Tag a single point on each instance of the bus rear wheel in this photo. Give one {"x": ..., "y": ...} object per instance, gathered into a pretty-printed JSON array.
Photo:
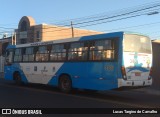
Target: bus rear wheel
[
  {"x": 65, "y": 84},
  {"x": 17, "y": 79}
]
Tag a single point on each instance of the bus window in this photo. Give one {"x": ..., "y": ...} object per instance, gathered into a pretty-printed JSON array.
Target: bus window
[
  {"x": 58, "y": 53},
  {"x": 9, "y": 57},
  {"x": 17, "y": 55},
  {"x": 42, "y": 53},
  {"x": 137, "y": 51},
  {"x": 136, "y": 43},
  {"x": 28, "y": 54},
  {"x": 78, "y": 51},
  {"x": 102, "y": 50}
]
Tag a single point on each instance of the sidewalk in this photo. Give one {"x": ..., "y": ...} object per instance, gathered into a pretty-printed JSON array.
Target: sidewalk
[{"x": 150, "y": 90}]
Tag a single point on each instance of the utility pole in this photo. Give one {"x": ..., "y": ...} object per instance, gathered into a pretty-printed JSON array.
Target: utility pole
[
  {"x": 72, "y": 29},
  {"x": 14, "y": 38}
]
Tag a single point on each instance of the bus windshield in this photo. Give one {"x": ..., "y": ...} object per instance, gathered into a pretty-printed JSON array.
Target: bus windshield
[{"x": 137, "y": 43}]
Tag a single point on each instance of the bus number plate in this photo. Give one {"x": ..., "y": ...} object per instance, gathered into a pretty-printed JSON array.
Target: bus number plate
[
  {"x": 137, "y": 74},
  {"x": 109, "y": 67}
]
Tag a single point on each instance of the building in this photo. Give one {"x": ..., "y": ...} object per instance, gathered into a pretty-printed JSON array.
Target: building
[
  {"x": 156, "y": 63},
  {"x": 3, "y": 44},
  {"x": 29, "y": 32}
]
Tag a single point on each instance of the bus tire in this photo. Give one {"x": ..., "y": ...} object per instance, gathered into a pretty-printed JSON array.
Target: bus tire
[
  {"x": 65, "y": 84},
  {"x": 17, "y": 79}
]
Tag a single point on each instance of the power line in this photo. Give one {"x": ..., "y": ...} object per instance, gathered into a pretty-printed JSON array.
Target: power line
[
  {"x": 114, "y": 16},
  {"x": 67, "y": 28},
  {"x": 129, "y": 14},
  {"x": 107, "y": 13},
  {"x": 6, "y": 28}
]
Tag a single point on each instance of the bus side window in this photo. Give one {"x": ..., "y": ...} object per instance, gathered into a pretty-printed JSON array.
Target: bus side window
[
  {"x": 108, "y": 54},
  {"x": 28, "y": 54},
  {"x": 40, "y": 53},
  {"x": 9, "y": 57},
  {"x": 102, "y": 50},
  {"x": 58, "y": 52},
  {"x": 78, "y": 51},
  {"x": 18, "y": 55},
  {"x": 36, "y": 53}
]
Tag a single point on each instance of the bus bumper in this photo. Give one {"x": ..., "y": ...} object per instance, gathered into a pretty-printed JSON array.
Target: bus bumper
[{"x": 123, "y": 83}]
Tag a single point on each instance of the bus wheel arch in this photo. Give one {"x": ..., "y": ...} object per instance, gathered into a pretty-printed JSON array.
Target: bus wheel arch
[
  {"x": 65, "y": 83},
  {"x": 17, "y": 78}
]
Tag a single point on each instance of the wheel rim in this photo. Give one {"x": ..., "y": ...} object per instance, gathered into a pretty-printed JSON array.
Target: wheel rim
[
  {"x": 65, "y": 84},
  {"x": 18, "y": 79}
]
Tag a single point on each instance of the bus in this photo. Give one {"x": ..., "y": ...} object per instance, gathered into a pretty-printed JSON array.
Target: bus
[{"x": 96, "y": 62}]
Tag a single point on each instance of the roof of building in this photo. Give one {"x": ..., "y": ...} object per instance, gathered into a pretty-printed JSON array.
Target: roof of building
[{"x": 156, "y": 41}]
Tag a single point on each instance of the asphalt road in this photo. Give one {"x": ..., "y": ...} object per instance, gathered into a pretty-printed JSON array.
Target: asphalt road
[{"x": 41, "y": 96}]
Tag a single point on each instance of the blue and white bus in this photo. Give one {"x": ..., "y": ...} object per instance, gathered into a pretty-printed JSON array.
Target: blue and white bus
[{"x": 97, "y": 62}]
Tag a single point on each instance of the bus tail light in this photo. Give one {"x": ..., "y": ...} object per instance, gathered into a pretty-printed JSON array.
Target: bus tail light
[
  {"x": 150, "y": 74},
  {"x": 123, "y": 70}
]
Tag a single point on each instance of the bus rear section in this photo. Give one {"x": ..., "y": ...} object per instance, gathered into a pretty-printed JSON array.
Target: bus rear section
[{"x": 137, "y": 61}]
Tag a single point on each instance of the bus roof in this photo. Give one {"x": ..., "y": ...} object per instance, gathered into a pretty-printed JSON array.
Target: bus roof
[
  {"x": 135, "y": 33},
  {"x": 83, "y": 38}
]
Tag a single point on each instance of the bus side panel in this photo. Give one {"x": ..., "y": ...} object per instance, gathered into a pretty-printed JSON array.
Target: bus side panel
[
  {"x": 10, "y": 70},
  {"x": 94, "y": 75},
  {"x": 42, "y": 73},
  {"x": 8, "y": 75},
  {"x": 77, "y": 72},
  {"x": 89, "y": 75},
  {"x": 105, "y": 79}
]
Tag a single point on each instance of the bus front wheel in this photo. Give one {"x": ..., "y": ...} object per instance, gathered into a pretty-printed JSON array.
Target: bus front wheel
[
  {"x": 65, "y": 84},
  {"x": 17, "y": 79}
]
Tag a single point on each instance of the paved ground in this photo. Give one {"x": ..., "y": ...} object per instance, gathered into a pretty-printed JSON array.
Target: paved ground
[
  {"x": 40, "y": 96},
  {"x": 150, "y": 90}
]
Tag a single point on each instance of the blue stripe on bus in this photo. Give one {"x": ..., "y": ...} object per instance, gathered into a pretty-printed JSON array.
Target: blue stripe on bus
[
  {"x": 102, "y": 36},
  {"x": 138, "y": 68},
  {"x": 88, "y": 80},
  {"x": 23, "y": 77}
]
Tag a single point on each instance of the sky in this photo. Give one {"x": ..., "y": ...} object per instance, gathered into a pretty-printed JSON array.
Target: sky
[{"x": 53, "y": 11}]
